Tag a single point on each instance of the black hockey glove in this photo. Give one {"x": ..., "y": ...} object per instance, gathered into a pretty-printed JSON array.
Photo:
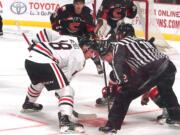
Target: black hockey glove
[{"x": 111, "y": 89}]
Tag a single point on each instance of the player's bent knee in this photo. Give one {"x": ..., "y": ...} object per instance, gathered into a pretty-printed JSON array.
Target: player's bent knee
[
  {"x": 66, "y": 91},
  {"x": 38, "y": 86}
]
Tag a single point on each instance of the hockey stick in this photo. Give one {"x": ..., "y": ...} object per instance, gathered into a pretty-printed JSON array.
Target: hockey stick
[
  {"x": 83, "y": 115},
  {"x": 24, "y": 36},
  {"x": 107, "y": 89},
  {"x": 26, "y": 39},
  {"x": 31, "y": 44}
]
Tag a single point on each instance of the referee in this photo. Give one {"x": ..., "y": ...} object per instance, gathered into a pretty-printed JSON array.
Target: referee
[{"x": 151, "y": 68}]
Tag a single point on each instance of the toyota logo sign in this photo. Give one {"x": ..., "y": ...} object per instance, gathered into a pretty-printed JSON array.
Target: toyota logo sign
[{"x": 18, "y": 8}]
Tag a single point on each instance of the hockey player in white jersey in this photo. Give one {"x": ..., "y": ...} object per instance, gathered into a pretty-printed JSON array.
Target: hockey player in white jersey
[
  {"x": 45, "y": 35},
  {"x": 52, "y": 65}
]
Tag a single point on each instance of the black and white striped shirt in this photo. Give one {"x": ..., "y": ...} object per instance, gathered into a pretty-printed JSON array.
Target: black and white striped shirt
[{"x": 136, "y": 53}]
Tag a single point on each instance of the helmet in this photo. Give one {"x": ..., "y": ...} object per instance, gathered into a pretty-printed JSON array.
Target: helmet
[
  {"x": 83, "y": 1},
  {"x": 88, "y": 43},
  {"x": 124, "y": 30},
  {"x": 131, "y": 10},
  {"x": 105, "y": 45}
]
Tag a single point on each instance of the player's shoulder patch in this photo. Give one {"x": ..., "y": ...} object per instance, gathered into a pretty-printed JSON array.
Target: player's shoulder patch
[
  {"x": 63, "y": 8},
  {"x": 66, "y": 7},
  {"x": 91, "y": 12}
]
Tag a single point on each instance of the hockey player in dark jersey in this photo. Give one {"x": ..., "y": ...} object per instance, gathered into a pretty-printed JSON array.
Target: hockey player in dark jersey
[
  {"x": 73, "y": 19},
  {"x": 76, "y": 19},
  {"x": 112, "y": 12},
  {"x": 1, "y": 26},
  {"x": 151, "y": 68}
]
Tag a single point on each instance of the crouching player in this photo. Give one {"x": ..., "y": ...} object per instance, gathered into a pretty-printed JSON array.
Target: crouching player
[{"x": 52, "y": 65}]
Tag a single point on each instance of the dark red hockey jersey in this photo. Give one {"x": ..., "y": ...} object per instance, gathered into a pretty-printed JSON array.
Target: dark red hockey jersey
[
  {"x": 66, "y": 21},
  {"x": 115, "y": 10}
]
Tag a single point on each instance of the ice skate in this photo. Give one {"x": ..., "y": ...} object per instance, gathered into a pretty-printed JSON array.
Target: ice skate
[
  {"x": 108, "y": 130},
  {"x": 162, "y": 118},
  {"x": 173, "y": 123},
  {"x": 67, "y": 126},
  {"x": 174, "y": 120},
  {"x": 31, "y": 107}
]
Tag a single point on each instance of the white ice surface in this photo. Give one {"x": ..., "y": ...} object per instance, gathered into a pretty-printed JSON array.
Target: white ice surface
[{"x": 87, "y": 85}]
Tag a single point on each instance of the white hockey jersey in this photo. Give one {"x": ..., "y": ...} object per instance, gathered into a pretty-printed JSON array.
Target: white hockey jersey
[
  {"x": 45, "y": 35},
  {"x": 65, "y": 50}
]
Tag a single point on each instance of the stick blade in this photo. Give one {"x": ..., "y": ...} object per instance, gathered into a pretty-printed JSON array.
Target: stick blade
[{"x": 84, "y": 116}]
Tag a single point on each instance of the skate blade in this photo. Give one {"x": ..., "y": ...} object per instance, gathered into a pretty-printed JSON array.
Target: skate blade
[
  {"x": 101, "y": 105},
  {"x": 163, "y": 122},
  {"x": 108, "y": 133},
  {"x": 104, "y": 104},
  {"x": 70, "y": 132},
  {"x": 175, "y": 125},
  {"x": 77, "y": 130},
  {"x": 29, "y": 111}
]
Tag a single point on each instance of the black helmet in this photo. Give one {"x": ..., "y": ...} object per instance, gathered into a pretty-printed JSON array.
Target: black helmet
[
  {"x": 83, "y": 1},
  {"x": 124, "y": 30},
  {"x": 103, "y": 49},
  {"x": 104, "y": 46},
  {"x": 89, "y": 43}
]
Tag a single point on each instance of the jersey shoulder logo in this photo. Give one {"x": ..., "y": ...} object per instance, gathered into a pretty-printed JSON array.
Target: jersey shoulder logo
[
  {"x": 63, "y": 8},
  {"x": 74, "y": 44}
]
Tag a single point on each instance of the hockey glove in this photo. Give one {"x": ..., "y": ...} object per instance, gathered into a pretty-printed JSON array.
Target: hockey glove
[
  {"x": 145, "y": 99},
  {"x": 152, "y": 94},
  {"x": 113, "y": 90}
]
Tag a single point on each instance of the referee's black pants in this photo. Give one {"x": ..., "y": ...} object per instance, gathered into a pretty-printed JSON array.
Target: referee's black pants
[{"x": 131, "y": 91}]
